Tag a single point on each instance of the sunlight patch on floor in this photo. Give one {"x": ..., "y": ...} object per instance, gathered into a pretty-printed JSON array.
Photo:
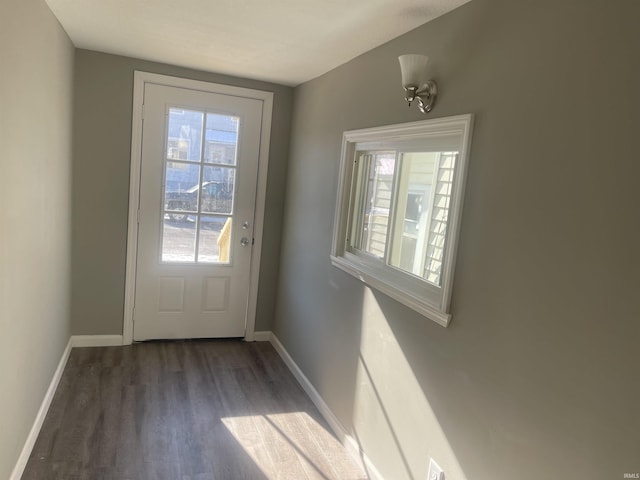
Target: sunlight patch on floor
[{"x": 292, "y": 445}]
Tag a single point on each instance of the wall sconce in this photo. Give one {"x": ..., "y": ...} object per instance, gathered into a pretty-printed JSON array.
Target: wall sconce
[{"x": 415, "y": 82}]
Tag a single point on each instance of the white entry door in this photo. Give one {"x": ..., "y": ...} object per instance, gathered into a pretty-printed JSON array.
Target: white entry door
[{"x": 198, "y": 174}]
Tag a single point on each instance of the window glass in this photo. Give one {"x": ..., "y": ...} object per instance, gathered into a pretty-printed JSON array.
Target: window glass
[
  {"x": 217, "y": 191},
  {"x": 376, "y": 179},
  {"x": 184, "y": 134},
  {"x": 199, "y": 186},
  {"x": 420, "y": 190},
  {"x": 221, "y": 139}
]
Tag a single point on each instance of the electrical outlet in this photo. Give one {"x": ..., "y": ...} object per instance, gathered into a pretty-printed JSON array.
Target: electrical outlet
[{"x": 435, "y": 471}]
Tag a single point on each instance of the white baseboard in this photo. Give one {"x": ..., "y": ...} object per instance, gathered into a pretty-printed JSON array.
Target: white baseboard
[
  {"x": 96, "y": 340},
  {"x": 354, "y": 449},
  {"x": 262, "y": 336},
  {"x": 18, "y": 470},
  {"x": 350, "y": 443},
  {"x": 333, "y": 421}
]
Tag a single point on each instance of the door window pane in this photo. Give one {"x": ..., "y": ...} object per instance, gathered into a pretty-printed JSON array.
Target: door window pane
[
  {"x": 184, "y": 140},
  {"x": 214, "y": 243},
  {"x": 217, "y": 190},
  {"x": 181, "y": 189},
  {"x": 221, "y": 139},
  {"x": 178, "y": 241}
]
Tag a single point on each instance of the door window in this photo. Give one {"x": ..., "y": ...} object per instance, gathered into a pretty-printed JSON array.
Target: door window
[{"x": 199, "y": 185}]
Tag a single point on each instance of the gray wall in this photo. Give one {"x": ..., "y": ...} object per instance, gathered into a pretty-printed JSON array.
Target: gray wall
[
  {"x": 102, "y": 156},
  {"x": 36, "y": 59},
  {"x": 537, "y": 375}
]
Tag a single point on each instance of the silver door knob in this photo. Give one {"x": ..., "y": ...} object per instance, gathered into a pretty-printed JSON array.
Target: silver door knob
[{"x": 244, "y": 241}]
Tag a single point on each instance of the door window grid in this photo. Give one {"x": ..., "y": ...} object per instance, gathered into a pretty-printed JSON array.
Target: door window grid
[{"x": 197, "y": 220}]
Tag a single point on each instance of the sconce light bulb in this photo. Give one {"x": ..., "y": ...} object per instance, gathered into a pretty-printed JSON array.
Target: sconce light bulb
[{"x": 410, "y": 93}]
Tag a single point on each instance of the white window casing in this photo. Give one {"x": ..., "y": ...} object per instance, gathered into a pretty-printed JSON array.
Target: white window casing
[{"x": 401, "y": 237}]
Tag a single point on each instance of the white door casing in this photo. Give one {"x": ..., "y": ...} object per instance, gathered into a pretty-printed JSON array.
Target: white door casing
[{"x": 178, "y": 299}]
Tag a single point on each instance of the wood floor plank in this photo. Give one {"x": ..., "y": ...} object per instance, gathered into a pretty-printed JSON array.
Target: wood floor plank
[{"x": 192, "y": 410}]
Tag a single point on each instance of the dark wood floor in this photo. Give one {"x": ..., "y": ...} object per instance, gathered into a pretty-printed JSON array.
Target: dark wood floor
[{"x": 184, "y": 411}]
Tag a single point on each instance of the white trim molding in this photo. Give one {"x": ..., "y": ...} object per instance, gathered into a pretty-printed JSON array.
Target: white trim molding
[
  {"x": 18, "y": 470},
  {"x": 96, "y": 340},
  {"x": 140, "y": 79},
  {"x": 350, "y": 443},
  {"x": 263, "y": 336}
]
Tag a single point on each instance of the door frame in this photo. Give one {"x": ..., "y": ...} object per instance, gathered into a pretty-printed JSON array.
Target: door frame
[{"x": 139, "y": 82}]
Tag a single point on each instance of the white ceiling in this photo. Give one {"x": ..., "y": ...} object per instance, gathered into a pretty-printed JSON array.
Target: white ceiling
[{"x": 282, "y": 41}]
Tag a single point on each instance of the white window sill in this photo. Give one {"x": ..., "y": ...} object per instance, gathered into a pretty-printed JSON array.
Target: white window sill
[{"x": 408, "y": 299}]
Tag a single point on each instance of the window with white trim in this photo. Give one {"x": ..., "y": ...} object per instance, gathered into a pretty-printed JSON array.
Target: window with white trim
[{"x": 399, "y": 207}]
